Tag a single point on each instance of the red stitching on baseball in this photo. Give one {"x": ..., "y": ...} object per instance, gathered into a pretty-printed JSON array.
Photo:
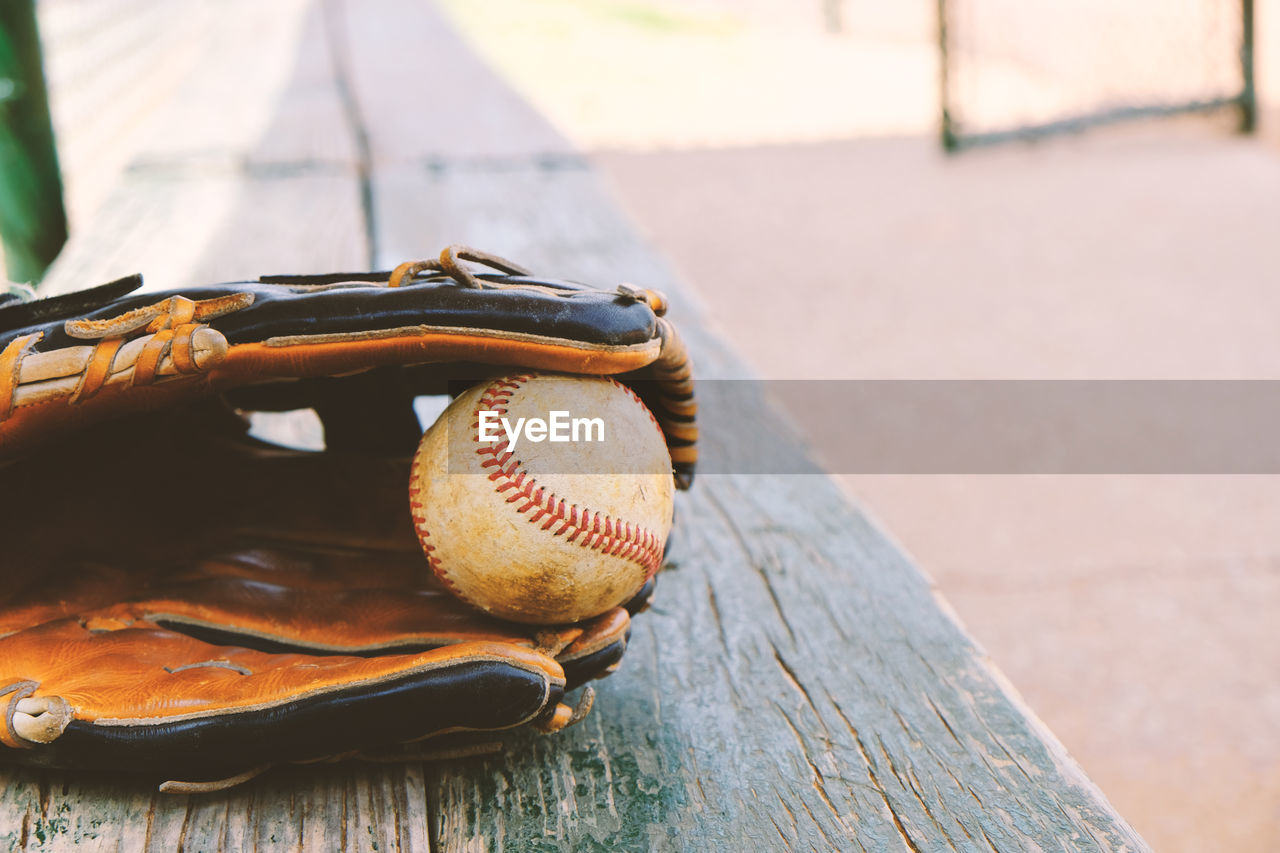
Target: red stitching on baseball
[
  {"x": 630, "y": 392},
  {"x": 424, "y": 536},
  {"x": 634, "y": 544}
]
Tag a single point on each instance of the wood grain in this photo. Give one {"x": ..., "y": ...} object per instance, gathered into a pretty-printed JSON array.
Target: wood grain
[
  {"x": 249, "y": 167},
  {"x": 798, "y": 684},
  {"x": 101, "y": 60}
]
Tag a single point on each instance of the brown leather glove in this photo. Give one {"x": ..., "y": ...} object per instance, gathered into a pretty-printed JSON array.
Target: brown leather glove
[{"x": 186, "y": 602}]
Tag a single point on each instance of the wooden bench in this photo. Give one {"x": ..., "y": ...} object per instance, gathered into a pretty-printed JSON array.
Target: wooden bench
[{"x": 798, "y": 684}]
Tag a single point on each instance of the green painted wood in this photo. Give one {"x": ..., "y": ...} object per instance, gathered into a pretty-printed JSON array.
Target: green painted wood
[{"x": 33, "y": 223}]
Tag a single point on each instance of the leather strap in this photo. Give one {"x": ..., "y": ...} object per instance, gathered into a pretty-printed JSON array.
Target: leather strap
[{"x": 11, "y": 369}]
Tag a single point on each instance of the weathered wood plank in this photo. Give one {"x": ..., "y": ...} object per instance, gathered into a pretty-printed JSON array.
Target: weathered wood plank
[
  {"x": 348, "y": 808},
  {"x": 414, "y": 89},
  {"x": 798, "y": 684},
  {"x": 249, "y": 166},
  {"x": 101, "y": 59}
]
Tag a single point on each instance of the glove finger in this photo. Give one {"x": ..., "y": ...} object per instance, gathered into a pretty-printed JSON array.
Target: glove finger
[
  {"x": 165, "y": 704},
  {"x": 301, "y": 601},
  {"x": 132, "y": 352},
  {"x": 367, "y": 622},
  {"x": 318, "y": 599},
  {"x": 598, "y": 650}
]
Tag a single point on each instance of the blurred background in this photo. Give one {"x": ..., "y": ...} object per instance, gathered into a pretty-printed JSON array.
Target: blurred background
[{"x": 788, "y": 159}]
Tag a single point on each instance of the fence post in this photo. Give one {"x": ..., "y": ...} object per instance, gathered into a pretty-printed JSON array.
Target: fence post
[{"x": 1248, "y": 94}]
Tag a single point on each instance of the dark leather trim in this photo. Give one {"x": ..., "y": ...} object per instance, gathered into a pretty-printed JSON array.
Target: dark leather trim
[
  {"x": 478, "y": 695},
  {"x": 580, "y": 671},
  {"x": 16, "y": 319},
  {"x": 568, "y": 312},
  {"x": 230, "y": 637},
  {"x": 325, "y": 278},
  {"x": 640, "y": 601}
]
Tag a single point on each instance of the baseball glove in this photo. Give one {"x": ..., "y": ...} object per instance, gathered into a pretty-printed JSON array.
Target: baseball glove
[{"x": 185, "y": 601}]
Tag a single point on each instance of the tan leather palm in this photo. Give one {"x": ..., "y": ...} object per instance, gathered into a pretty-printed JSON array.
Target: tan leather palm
[{"x": 264, "y": 606}]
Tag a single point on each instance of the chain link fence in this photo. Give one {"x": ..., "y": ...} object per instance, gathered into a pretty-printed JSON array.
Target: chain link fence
[{"x": 1022, "y": 69}]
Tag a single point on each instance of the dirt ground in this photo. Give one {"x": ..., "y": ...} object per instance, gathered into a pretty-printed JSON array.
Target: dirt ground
[
  {"x": 801, "y": 190},
  {"x": 1134, "y": 613}
]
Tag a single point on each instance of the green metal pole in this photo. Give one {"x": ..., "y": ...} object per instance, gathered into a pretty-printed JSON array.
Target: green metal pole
[
  {"x": 950, "y": 142},
  {"x": 33, "y": 221},
  {"x": 1249, "y": 93}
]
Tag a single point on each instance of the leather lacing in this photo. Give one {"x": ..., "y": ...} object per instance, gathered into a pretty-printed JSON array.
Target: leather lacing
[
  {"x": 598, "y": 531},
  {"x": 11, "y": 368},
  {"x": 20, "y": 690},
  {"x": 448, "y": 264},
  {"x": 171, "y": 323},
  {"x": 167, "y": 330}
]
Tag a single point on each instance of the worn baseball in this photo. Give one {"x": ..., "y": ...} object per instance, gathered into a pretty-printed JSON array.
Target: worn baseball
[{"x": 544, "y": 498}]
